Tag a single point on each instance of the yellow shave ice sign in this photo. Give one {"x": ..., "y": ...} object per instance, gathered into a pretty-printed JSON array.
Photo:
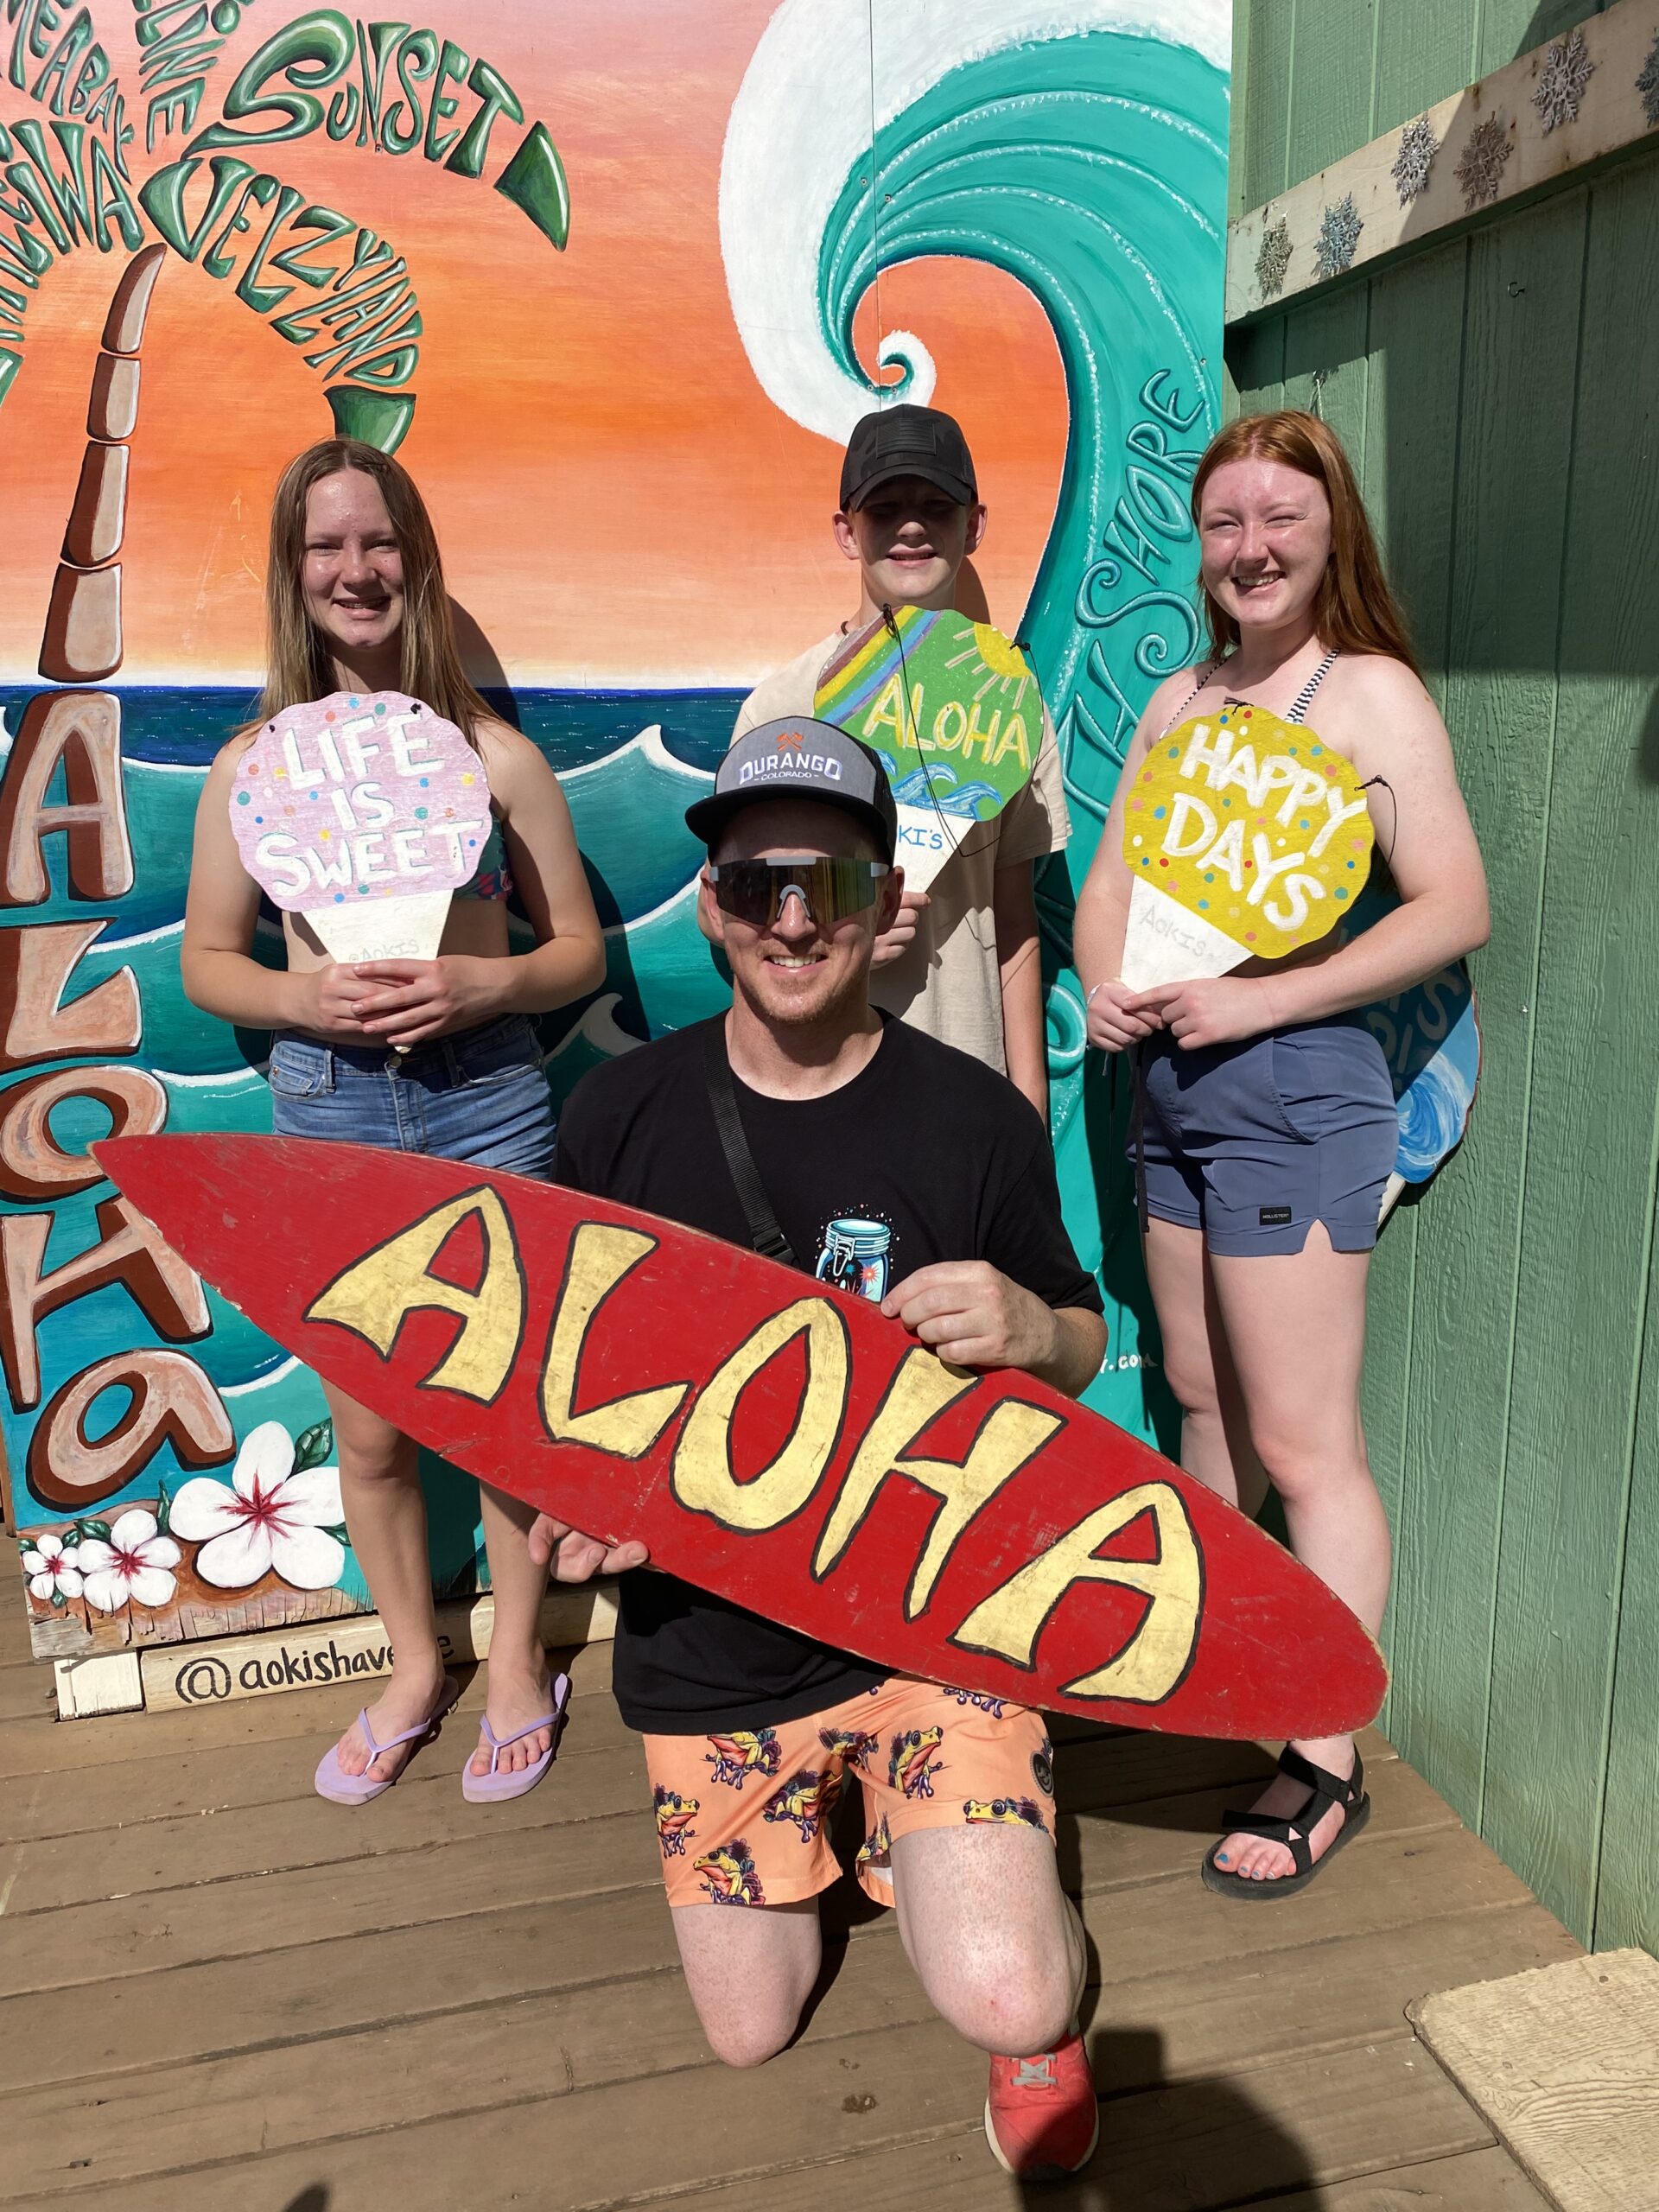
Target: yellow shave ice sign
[{"x": 1246, "y": 837}]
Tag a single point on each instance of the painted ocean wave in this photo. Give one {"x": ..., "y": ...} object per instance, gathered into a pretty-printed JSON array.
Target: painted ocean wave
[
  {"x": 1083, "y": 150},
  {"x": 627, "y": 798},
  {"x": 1081, "y": 147},
  {"x": 628, "y": 778},
  {"x": 629, "y": 810},
  {"x": 183, "y": 725},
  {"x": 1435, "y": 1105}
]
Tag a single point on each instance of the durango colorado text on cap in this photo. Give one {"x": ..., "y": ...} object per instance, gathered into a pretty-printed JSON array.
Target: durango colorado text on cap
[{"x": 798, "y": 758}]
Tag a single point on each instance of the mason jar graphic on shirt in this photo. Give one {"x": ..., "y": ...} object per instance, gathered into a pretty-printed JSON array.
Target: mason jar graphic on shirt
[{"x": 855, "y": 1257}]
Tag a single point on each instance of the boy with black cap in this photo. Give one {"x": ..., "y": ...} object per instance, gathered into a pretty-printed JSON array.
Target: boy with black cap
[
  {"x": 963, "y": 960},
  {"x": 809, "y": 1125}
]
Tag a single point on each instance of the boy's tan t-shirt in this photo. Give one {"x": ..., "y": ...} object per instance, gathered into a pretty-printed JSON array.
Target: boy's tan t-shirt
[{"x": 949, "y": 982}]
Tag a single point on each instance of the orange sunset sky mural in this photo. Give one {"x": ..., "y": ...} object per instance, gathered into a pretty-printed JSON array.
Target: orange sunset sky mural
[
  {"x": 777, "y": 211},
  {"x": 617, "y": 498}
]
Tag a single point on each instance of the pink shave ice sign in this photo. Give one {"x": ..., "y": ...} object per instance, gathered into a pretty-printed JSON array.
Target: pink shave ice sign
[{"x": 363, "y": 812}]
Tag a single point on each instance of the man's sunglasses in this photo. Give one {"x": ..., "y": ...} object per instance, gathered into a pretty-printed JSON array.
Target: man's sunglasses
[{"x": 830, "y": 890}]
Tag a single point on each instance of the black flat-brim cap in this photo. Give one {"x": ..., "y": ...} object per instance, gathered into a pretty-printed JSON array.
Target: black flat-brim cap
[
  {"x": 799, "y": 757},
  {"x": 907, "y": 440}
]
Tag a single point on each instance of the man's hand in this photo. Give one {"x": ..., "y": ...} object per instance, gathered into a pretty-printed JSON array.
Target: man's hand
[
  {"x": 974, "y": 1317},
  {"x": 574, "y": 1557},
  {"x": 893, "y": 943}
]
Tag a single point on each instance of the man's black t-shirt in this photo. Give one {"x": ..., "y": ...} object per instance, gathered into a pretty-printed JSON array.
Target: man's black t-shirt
[{"x": 926, "y": 1155}]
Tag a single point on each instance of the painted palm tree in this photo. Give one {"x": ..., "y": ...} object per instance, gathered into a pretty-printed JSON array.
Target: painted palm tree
[
  {"x": 392, "y": 91},
  {"x": 82, "y": 642}
]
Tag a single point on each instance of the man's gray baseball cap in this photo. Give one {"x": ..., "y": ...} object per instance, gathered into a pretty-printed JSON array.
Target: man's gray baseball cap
[{"x": 799, "y": 757}]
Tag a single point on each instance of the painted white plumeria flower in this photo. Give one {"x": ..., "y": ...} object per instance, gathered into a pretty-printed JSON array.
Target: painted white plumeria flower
[
  {"x": 133, "y": 1564},
  {"x": 271, "y": 1515},
  {"x": 53, "y": 1568}
]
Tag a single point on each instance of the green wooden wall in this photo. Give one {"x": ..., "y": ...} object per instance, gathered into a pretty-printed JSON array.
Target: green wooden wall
[
  {"x": 1499, "y": 395},
  {"x": 1314, "y": 79}
]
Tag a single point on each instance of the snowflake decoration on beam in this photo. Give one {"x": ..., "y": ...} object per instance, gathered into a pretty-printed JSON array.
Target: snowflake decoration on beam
[
  {"x": 1562, "y": 84},
  {"x": 1418, "y": 147},
  {"x": 1480, "y": 167},
  {"x": 1274, "y": 259},
  {"x": 1648, "y": 83},
  {"x": 1338, "y": 237}
]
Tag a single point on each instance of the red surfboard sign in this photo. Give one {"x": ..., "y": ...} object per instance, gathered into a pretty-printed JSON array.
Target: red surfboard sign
[{"x": 769, "y": 1438}]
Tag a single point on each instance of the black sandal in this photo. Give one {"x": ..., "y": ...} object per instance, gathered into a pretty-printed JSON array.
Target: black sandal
[{"x": 1326, "y": 1790}]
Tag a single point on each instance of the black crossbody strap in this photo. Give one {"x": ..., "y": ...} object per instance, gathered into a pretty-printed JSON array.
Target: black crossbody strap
[{"x": 765, "y": 1233}]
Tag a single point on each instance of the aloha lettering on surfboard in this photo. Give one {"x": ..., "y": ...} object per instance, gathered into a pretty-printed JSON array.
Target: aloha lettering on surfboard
[
  {"x": 953, "y": 709},
  {"x": 770, "y": 1438}
]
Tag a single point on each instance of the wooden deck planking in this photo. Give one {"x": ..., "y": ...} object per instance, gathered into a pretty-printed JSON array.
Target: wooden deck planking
[
  {"x": 115, "y": 1782},
  {"x": 532, "y": 2047},
  {"x": 26, "y": 1690},
  {"x": 1191, "y": 2147},
  {"x": 222, "y": 1989},
  {"x": 951, "y": 2171},
  {"x": 1480, "y": 2181},
  {"x": 216, "y": 2005},
  {"x": 484, "y": 1868}
]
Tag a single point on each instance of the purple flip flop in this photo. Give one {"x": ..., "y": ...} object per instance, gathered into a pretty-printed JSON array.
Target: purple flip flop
[
  {"x": 494, "y": 1787},
  {"x": 358, "y": 1789}
]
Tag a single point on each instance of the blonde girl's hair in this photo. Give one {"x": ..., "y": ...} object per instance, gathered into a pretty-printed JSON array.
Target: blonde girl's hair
[
  {"x": 299, "y": 665},
  {"x": 1356, "y": 610}
]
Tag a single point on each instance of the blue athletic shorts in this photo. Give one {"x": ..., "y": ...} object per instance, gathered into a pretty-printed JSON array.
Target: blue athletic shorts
[
  {"x": 1254, "y": 1142},
  {"x": 479, "y": 1096}
]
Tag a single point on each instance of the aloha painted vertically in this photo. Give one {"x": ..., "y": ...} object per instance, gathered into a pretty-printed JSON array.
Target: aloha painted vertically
[{"x": 610, "y": 299}]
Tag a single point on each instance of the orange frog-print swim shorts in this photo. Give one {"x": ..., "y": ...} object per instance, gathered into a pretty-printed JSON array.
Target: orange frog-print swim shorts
[{"x": 741, "y": 1818}]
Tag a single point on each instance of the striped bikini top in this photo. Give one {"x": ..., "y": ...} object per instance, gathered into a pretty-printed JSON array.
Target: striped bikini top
[{"x": 1300, "y": 705}]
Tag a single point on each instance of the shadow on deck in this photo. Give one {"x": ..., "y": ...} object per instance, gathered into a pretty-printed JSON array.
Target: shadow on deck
[{"x": 217, "y": 1991}]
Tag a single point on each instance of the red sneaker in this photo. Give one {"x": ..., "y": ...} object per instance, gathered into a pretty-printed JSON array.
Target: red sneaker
[{"x": 1041, "y": 2119}]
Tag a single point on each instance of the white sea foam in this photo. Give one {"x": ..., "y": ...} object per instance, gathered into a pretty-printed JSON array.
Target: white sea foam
[
  {"x": 598, "y": 1028},
  {"x": 224, "y": 1079},
  {"x": 684, "y": 898},
  {"x": 824, "y": 74},
  {"x": 283, "y": 1368},
  {"x": 142, "y": 936},
  {"x": 649, "y": 747}
]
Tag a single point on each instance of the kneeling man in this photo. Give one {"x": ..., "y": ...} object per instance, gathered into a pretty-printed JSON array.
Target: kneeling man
[{"x": 907, "y": 1173}]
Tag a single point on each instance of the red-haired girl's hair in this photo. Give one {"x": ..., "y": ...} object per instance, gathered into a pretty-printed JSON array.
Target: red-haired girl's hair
[{"x": 1356, "y": 611}]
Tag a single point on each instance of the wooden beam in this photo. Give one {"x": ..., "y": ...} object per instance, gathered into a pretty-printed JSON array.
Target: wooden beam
[
  {"x": 314, "y": 1653},
  {"x": 1559, "y": 2062},
  {"x": 1574, "y": 101},
  {"x": 110, "y": 1683}
]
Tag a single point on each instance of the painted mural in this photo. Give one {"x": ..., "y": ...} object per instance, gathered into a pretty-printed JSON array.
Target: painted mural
[{"x": 616, "y": 280}]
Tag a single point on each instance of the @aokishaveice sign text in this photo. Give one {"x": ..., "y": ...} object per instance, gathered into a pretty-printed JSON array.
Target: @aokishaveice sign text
[
  {"x": 365, "y": 812},
  {"x": 1245, "y": 837}
]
